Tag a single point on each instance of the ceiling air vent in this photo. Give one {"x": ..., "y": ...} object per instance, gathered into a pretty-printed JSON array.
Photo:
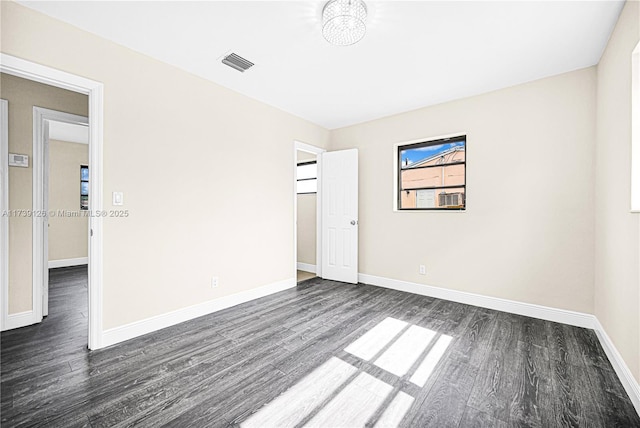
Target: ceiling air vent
[{"x": 237, "y": 62}]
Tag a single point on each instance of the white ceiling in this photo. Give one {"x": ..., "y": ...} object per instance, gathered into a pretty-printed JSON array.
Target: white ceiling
[{"x": 415, "y": 53}]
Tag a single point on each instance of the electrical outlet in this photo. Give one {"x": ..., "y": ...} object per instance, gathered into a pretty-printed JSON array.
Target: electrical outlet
[
  {"x": 423, "y": 270},
  {"x": 214, "y": 282}
]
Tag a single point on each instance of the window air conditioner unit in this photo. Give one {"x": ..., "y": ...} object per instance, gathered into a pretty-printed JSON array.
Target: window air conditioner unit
[{"x": 451, "y": 200}]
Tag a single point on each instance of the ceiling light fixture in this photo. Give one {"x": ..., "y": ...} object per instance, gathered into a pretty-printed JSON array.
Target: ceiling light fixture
[{"x": 343, "y": 21}]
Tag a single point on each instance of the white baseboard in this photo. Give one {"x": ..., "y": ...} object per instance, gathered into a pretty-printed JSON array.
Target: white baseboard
[
  {"x": 306, "y": 267},
  {"x": 149, "y": 325},
  {"x": 578, "y": 319},
  {"x": 68, "y": 262},
  {"x": 622, "y": 370},
  {"x": 21, "y": 319}
]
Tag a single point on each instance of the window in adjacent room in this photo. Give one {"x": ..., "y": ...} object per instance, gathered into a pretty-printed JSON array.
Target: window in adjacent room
[
  {"x": 432, "y": 175},
  {"x": 307, "y": 176},
  {"x": 84, "y": 187}
]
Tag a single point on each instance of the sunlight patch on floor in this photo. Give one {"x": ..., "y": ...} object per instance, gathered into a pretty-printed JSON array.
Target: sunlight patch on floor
[
  {"x": 292, "y": 406},
  {"x": 396, "y": 410},
  {"x": 400, "y": 356},
  {"x": 425, "y": 369},
  {"x": 372, "y": 342},
  {"x": 354, "y": 405},
  {"x": 337, "y": 394}
]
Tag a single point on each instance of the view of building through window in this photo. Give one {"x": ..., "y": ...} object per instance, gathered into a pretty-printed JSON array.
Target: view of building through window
[
  {"x": 84, "y": 187},
  {"x": 432, "y": 175}
]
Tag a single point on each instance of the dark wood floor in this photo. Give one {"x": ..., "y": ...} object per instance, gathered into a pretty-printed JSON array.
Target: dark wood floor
[{"x": 229, "y": 368}]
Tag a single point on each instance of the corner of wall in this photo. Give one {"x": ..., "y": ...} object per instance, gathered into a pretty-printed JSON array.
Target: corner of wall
[{"x": 617, "y": 230}]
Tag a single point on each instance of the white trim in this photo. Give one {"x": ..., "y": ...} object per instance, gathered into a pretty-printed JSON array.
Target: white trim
[
  {"x": 306, "y": 267},
  {"x": 50, "y": 76},
  {"x": 96, "y": 117},
  {"x": 4, "y": 220},
  {"x": 21, "y": 319},
  {"x": 68, "y": 262},
  {"x": 304, "y": 147},
  {"x": 149, "y": 325},
  {"x": 578, "y": 319},
  {"x": 622, "y": 370}
]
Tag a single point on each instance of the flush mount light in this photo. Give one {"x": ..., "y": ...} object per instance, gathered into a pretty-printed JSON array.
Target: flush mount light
[{"x": 343, "y": 21}]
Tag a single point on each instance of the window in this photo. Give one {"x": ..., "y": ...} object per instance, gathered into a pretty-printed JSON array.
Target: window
[
  {"x": 432, "y": 175},
  {"x": 84, "y": 187},
  {"x": 307, "y": 176}
]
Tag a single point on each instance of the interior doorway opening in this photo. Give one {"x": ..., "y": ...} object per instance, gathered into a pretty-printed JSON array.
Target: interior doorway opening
[
  {"x": 65, "y": 157},
  {"x": 336, "y": 223},
  {"x": 307, "y": 204},
  {"x": 31, "y": 311},
  {"x": 306, "y": 195}
]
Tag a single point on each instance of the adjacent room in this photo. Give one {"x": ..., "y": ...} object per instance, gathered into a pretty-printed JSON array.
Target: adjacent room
[
  {"x": 306, "y": 214},
  {"x": 337, "y": 213}
]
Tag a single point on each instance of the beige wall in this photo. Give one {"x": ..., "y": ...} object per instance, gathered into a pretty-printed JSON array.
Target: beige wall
[
  {"x": 171, "y": 143},
  {"x": 305, "y": 156},
  {"x": 307, "y": 228},
  {"x": 22, "y": 95},
  {"x": 617, "y": 279},
  {"x": 528, "y": 231},
  {"x": 68, "y": 236}
]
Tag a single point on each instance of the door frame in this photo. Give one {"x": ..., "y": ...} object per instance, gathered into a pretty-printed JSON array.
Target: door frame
[
  {"x": 4, "y": 206},
  {"x": 95, "y": 90},
  {"x": 308, "y": 148},
  {"x": 40, "y": 246}
]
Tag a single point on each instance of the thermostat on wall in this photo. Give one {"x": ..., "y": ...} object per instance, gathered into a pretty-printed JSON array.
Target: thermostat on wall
[{"x": 18, "y": 160}]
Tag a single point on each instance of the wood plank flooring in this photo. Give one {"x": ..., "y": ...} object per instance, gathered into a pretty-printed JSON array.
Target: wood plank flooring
[{"x": 323, "y": 354}]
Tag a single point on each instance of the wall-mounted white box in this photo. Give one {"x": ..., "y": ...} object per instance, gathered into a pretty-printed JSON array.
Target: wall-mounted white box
[{"x": 18, "y": 160}]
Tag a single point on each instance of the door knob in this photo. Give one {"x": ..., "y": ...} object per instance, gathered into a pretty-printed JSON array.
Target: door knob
[{"x": 353, "y": 222}]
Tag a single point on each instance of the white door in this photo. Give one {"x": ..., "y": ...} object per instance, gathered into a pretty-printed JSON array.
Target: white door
[{"x": 340, "y": 215}]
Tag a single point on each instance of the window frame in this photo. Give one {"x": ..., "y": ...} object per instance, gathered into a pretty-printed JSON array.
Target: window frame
[
  {"x": 399, "y": 148},
  {"x": 88, "y": 188},
  {"x": 307, "y": 179}
]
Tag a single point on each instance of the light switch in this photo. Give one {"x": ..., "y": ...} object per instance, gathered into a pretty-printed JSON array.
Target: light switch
[{"x": 118, "y": 198}]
